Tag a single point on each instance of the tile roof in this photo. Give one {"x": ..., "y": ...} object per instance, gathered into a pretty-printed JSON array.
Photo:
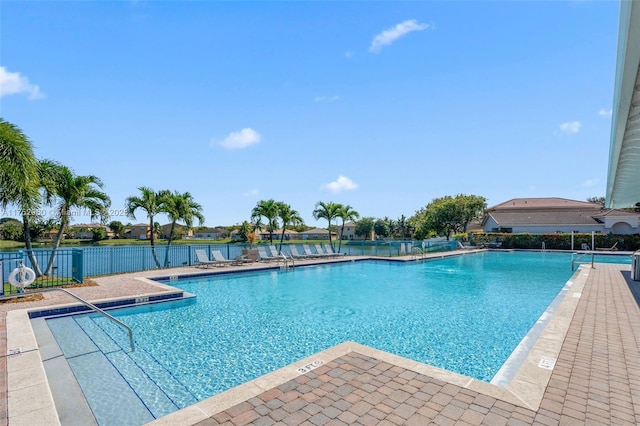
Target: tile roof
[
  {"x": 570, "y": 217},
  {"x": 544, "y": 203}
]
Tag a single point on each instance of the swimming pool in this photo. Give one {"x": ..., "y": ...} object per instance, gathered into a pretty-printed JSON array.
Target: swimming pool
[{"x": 465, "y": 314}]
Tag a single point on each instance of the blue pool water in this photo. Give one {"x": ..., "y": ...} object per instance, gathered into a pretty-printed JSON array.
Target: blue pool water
[{"x": 465, "y": 314}]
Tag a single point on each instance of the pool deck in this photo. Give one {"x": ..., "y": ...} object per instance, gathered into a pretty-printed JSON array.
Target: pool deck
[{"x": 584, "y": 368}]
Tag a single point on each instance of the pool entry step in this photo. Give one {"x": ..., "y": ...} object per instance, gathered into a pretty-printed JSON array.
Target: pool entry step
[{"x": 116, "y": 389}]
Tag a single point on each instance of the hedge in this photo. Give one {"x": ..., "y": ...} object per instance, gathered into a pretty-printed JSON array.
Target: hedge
[{"x": 557, "y": 241}]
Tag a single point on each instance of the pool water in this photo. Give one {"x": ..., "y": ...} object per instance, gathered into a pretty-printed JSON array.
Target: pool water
[{"x": 465, "y": 314}]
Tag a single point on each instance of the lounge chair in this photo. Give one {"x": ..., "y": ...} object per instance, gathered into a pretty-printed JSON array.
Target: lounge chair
[
  {"x": 274, "y": 251},
  {"x": 202, "y": 260},
  {"x": 329, "y": 250},
  {"x": 321, "y": 251},
  {"x": 293, "y": 250},
  {"x": 263, "y": 256},
  {"x": 307, "y": 252},
  {"x": 220, "y": 260},
  {"x": 612, "y": 248}
]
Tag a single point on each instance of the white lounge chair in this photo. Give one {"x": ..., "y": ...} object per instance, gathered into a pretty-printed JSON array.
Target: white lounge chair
[
  {"x": 329, "y": 250},
  {"x": 263, "y": 256},
  {"x": 307, "y": 252},
  {"x": 202, "y": 260},
  {"x": 220, "y": 260},
  {"x": 295, "y": 253},
  {"x": 321, "y": 251}
]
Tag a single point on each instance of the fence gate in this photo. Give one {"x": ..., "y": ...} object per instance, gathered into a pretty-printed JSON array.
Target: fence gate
[{"x": 76, "y": 265}]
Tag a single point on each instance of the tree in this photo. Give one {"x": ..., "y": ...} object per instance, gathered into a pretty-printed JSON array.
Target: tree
[
  {"x": 401, "y": 226},
  {"x": 269, "y": 210},
  {"x": 448, "y": 215},
  {"x": 117, "y": 227},
  {"x": 364, "y": 227},
  {"x": 381, "y": 228},
  {"x": 71, "y": 191},
  {"x": 19, "y": 179},
  {"x": 179, "y": 207},
  {"x": 12, "y": 230},
  {"x": 244, "y": 231},
  {"x": 328, "y": 211},
  {"x": 150, "y": 202},
  {"x": 288, "y": 216},
  {"x": 346, "y": 213},
  {"x": 19, "y": 182},
  {"x": 596, "y": 200},
  {"x": 98, "y": 234}
]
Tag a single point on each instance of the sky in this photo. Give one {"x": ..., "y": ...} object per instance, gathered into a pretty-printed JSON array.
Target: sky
[{"x": 384, "y": 106}]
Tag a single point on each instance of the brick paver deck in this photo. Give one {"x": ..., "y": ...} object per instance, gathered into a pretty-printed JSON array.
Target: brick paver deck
[{"x": 596, "y": 379}]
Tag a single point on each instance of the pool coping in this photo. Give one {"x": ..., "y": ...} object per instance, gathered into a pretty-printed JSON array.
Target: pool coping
[{"x": 27, "y": 377}]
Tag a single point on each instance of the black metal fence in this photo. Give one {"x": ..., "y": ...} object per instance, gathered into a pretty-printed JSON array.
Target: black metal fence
[{"x": 71, "y": 265}]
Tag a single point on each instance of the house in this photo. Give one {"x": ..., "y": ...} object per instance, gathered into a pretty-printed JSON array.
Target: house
[
  {"x": 209, "y": 233},
  {"x": 317, "y": 234},
  {"x": 179, "y": 231},
  {"x": 349, "y": 232},
  {"x": 85, "y": 231},
  {"x": 288, "y": 235},
  {"x": 558, "y": 215},
  {"x": 139, "y": 231}
]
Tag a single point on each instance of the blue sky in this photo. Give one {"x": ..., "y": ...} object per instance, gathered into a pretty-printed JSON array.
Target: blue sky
[{"x": 380, "y": 105}]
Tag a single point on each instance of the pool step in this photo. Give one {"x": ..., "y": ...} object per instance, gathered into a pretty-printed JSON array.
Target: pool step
[
  {"x": 152, "y": 382},
  {"x": 110, "y": 397}
]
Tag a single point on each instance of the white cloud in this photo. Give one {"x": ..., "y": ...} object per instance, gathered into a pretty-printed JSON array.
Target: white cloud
[
  {"x": 251, "y": 193},
  {"x": 390, "y": 35},
  {"x": 239, "y": 140},
  {"x": 591, "y": 182},
  {"x": 604, "y": 112},
  {"x": 343, "y": 183},
  {"x": 348, "y": 54},
  {"x": 327, "y": 98},
  {"x": 570, "y": 127},
  {"x": 12, "y": 83}
]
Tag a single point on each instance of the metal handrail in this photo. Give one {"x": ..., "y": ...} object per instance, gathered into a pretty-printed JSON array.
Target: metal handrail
[
  {"x": 286, "y": 261},
  {"x": 89, "y": 304},
  {"x": 575, "y": 260}
]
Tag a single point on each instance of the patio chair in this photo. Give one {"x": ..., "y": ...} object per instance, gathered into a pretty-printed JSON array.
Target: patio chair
[
  {"x": 321, "y": 251},
  {"x": 293, "y": 250},
  {"x": 307, "y": 252},
  {"x": 612, "y": 248},
  {"x": 274, "y": 251},
  {"x": 202, "y": 260},
  {"x": 264, "y": 256},
  {"x": 220, "y": 260},
  {"x": 329, "y": 250}
]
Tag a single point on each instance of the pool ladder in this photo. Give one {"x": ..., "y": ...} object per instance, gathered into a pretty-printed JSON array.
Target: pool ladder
[
  {"x": 285, "y": 267},
  {"x": 576, "y": 259},
  {"x": 84, "y": 302}
]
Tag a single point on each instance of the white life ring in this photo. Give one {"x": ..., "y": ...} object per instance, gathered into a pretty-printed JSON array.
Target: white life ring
[{"x": 22, "y": 277}]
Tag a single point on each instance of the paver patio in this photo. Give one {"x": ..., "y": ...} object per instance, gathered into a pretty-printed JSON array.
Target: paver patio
[{"x": 596, "y": 378}]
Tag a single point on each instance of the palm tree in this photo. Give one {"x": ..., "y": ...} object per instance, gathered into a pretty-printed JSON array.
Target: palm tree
[
  {"x": 73, "y": 191},
  {"x": 19, "y": 179},
  {"x": 346, "y": 213},
  {"x": 268, "y": 209},
  {"x": 151, "y": 203},
  {"x": 288, "y": 216},
  {"x": 179, "y": 207},
  {"x": 402, "y": 225},
  {"x": 328, "y": 211}
]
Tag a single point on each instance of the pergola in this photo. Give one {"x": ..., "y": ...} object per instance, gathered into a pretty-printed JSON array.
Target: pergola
[{"x": 623, "y": 177}]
